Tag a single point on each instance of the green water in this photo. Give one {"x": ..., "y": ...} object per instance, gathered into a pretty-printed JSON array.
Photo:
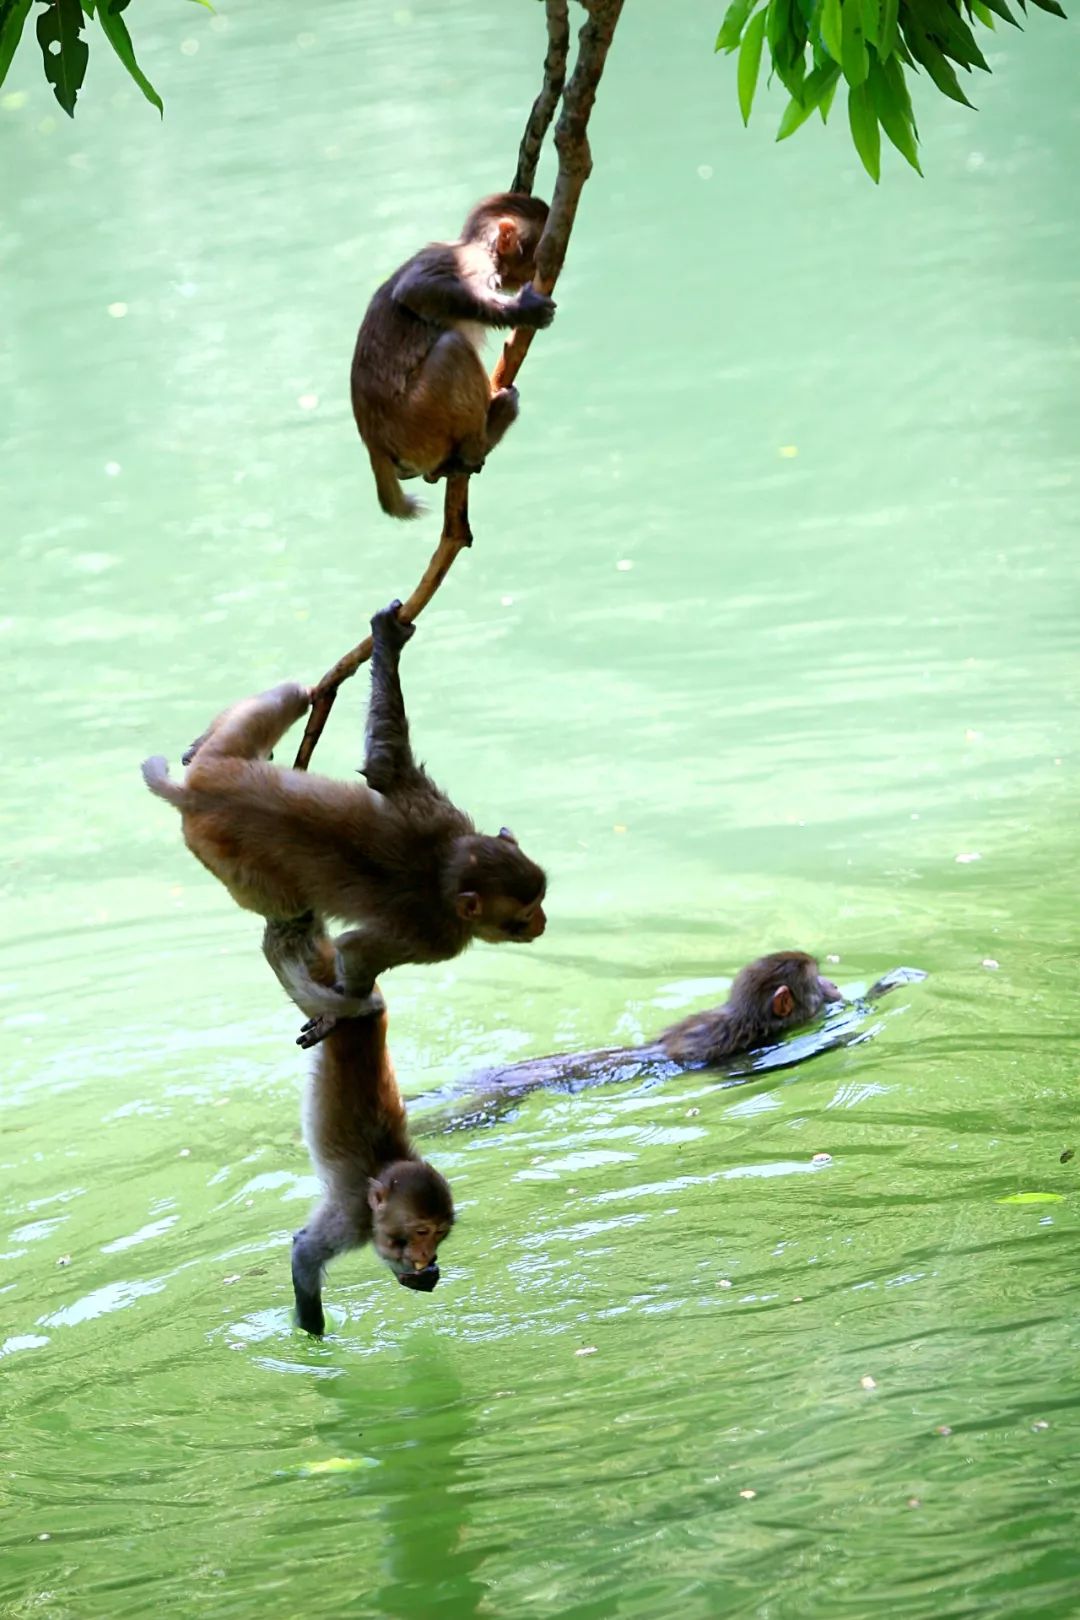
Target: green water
[{"x": 735, "y": 697}]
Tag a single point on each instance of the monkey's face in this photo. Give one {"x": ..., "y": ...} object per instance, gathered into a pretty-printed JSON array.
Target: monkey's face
[
  {"x": 407, "y": 1225},
  {"x": 503, "y": 919}
]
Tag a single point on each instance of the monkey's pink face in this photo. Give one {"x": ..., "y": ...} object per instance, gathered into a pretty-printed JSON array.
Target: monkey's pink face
[
  {"x": 829, "y": 992},
  {"x": 408, "y": 1242},
  {"x": 509, "y": 921}
]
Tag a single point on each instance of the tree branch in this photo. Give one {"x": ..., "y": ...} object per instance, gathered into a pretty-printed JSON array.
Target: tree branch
[{"x": 575, "y": 166}]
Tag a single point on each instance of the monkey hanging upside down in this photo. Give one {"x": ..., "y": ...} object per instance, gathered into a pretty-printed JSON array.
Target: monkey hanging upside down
[
  {"x": 394, "y": 858},
  {"x": 377, "y": 1188}
]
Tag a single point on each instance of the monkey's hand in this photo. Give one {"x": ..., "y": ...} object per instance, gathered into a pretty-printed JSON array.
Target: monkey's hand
[
  {"x": 389, "y": 629},
  {"x": 317, "y": 1029},
  {"x": 532, "y": 308}
]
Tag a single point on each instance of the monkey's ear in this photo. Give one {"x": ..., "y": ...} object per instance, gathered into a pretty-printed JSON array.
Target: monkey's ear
[
  {"x": 468, "y": 905},
  {"x": 376, "y": 1194},
  {"x": 504, "y": 832},
  {"x": 783, "y": 1002},
  {"x": 506, "y": 236}
]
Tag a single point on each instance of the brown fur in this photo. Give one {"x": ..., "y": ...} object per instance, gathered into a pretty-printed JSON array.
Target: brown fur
[
  {"x": 394, "y": 857},
  {"x": 377, "y": 1188},
  {"x": 768, "y": 998},
  {"x": 420, "y": 392}
]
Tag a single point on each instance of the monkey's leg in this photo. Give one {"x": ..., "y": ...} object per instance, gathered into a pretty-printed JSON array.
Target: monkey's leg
[
  {"x": 250, "y": 728},
  {"x": 331, "y": 1230},
  {"x": 326, "y": 980},
  {"x": 502, "y": 413},
  {"x": 447, "y": 409}
]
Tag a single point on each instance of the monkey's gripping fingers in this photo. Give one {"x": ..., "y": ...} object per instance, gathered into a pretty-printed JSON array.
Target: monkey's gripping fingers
[
  {"x": 532, "y": 308},
  {"x": 317, "y": 1029},
  {"x": 388, "y": 629}
]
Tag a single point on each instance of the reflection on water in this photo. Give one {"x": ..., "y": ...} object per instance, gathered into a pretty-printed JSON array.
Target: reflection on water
[{"x": 768, "y": 629}]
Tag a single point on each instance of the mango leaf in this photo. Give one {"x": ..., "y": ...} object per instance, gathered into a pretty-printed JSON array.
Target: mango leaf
[
  {"x": 894, "y": 73},
  {"x": 733, "y": 24},
  {"x": 1049, "y": 5},
  {"x": 924, "y": 51},
  {"x": 60, "y": 25},
  {"x": 115, "y": 30},
  {"x": 825, "y": 104},
  {"x": 1033, "y": 1198},
  {"x": 887, "y": 35},
  {"x": 947, "y": 30},
  {"x": 749, "y": 63},
  {"x": 853, "y": 53},
  {"x": 819, "y": 82},
  {"x": 832, "y": 28},
  {"x": 892, "y": 116},
  {"x": 13, "y": 14},
  {"x": 1000, "y": 9},
  {"x": 871, "y": 20},
  {"x": 985, "y": 16},
  {"x": 864, "y": 130}
]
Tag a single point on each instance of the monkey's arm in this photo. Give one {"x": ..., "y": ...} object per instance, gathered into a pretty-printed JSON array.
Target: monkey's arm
[
  {"x": 434, "y": 287},
  {"x": 327, "y": 979},
  {"x": 389, "y": 765}
]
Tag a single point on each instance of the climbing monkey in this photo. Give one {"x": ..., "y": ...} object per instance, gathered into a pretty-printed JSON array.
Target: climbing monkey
[{"x": 420, "y": 391}]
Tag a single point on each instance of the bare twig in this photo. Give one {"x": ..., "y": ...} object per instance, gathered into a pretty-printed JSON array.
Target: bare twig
[
  {"x": 558, "y": 27},
  {"x": 575, "y": 166}
]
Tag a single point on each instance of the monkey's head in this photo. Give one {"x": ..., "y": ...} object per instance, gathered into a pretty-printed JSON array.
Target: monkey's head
[
  {"x": 496, "y": 889},
  {"x": 412, "y": 1212},
  {"x": 781, "y": 990},
  {"x": 509, "y": 225}
]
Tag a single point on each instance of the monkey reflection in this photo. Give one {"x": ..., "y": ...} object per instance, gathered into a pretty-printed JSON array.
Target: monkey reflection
[
  {"x": 420, "y": 393},
  {"x": 395, "y": 858},
  {"x": 377, "y": 1189}
]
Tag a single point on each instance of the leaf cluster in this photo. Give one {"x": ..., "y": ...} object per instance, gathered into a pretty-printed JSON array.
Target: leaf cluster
[
  {"x": 65, "y": 52},
  {"x": 872, "y": 45}
]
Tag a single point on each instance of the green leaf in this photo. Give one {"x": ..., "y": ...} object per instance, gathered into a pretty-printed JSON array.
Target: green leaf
[
  {"x": 825, "y": 104},
  {"x": 1051, "y": 6},
  {"x": 887, "y": 35},
  {"x": 819, "y": 83},
  {"x": 733, "y": 24},
  {"x": 60, "y": 24},
  {"x": 935, "y": 64},
  {"x": 1000, "y": 9},
  {"x": 940, "y": 24},
  {"x": 894, "y": 73},
  {"x": 853, "y": 53},
  {"x": 115, "y": 30},
  {"x": 864, "y": 130},
  {"x": 892, "y": 115},
  {"x": 13, "y": 14},
  {"x": 832, "y": 28},
  {"x": 984, "y": 14},
  {"x": 871, "y": 20},
  {"x": 749, "y": 63},
  {"x": 1033, "y": 1198}
]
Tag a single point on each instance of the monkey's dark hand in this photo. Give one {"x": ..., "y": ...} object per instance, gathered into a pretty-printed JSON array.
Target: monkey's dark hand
[
  {"x": 389, "y": 629},
  {"x": 532, "y": 308},
  {"x": 315, "y": 1030}
]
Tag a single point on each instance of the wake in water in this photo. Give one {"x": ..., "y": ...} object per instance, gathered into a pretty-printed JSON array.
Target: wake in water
[{"x": 483, "y": 1098}]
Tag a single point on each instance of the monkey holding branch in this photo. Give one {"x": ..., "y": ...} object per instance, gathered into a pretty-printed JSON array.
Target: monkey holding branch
[
  {"x": 420, "y": 392},
  {"x": 395, "y": 858}
]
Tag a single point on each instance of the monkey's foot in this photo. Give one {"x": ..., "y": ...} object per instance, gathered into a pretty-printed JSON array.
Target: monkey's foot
[
  {"x": 309, "y": 1315},
  {"x": 454, "y": 467},
  {"x": 317, "y": 1029},
  {"x": 386, "y": 626},
  {"x": 193, "y": 748}
]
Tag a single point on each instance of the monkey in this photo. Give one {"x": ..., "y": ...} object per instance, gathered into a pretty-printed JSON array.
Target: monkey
[
  {"x": 395, "y": 858},
  {"x": 377, "y": 1188},
  {"x": 420, "y": 393},
  {"x": 772, "y": 997}
]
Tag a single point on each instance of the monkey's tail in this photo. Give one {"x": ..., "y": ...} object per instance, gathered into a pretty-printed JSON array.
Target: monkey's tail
[
  {"x": 156, "y": 776},
  {"x": 392, "y": 498}
]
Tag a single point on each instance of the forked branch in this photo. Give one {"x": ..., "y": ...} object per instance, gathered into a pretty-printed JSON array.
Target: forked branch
[{"x": 575, "y": 166}]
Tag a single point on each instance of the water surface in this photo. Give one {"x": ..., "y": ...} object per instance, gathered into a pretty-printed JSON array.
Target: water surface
[{"x": 770, "y": 620}]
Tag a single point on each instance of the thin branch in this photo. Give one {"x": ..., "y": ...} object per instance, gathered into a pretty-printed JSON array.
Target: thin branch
[
  {"x": 558, "y": 27},
  {"x": 575, "y": 166}
]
